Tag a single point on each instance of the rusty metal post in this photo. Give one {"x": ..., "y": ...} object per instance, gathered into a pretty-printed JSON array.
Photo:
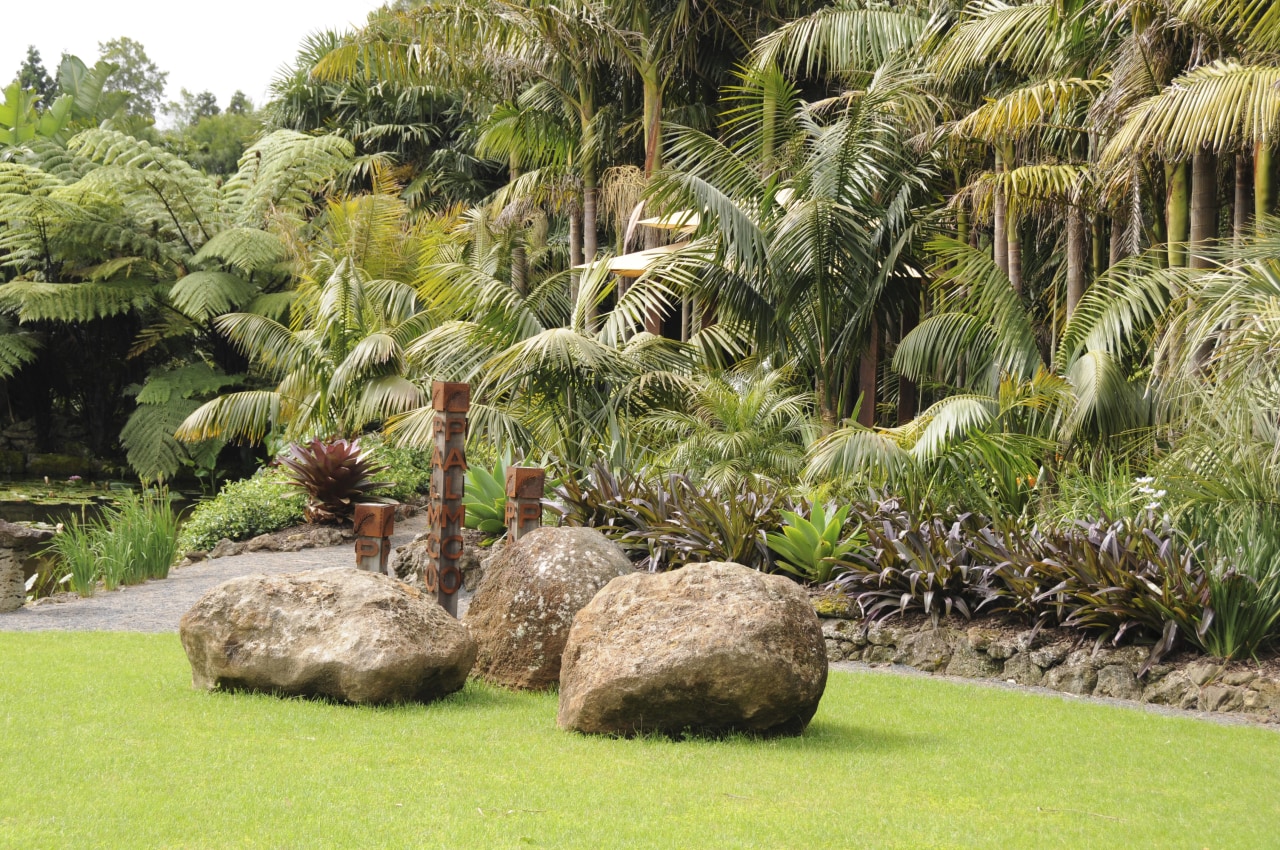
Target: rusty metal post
[
  {"x": 374, "y": 525},
  {"x": 524, "y": 500},
  {"x": 445, "y": 515}
]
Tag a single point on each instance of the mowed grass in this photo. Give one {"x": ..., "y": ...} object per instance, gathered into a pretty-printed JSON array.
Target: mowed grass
[{"x": 103, "y": 743}]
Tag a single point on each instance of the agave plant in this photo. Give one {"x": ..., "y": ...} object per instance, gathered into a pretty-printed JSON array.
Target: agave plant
[
  {"x": 812, "y": 549},
  {"x": 485, "y": 498},
  {"x": 335, "y": 475}
]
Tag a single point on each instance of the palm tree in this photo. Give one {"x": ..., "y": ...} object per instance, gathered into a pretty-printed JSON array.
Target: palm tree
[
  {"x": 808, "y": 211},
  {"x": 749, "y": 420}
]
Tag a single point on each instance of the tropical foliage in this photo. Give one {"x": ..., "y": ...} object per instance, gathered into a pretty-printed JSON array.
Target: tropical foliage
[{"x": 989, "y": 261}]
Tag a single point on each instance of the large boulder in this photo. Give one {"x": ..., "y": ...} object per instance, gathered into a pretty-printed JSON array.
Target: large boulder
[
  {"x": 708, "y": 648},
  {"x": 526, "y": 602},
  {"x": 342, "y": 633}
]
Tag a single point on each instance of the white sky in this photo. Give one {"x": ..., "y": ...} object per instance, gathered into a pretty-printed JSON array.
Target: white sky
[{"x": 217, "y": 46}]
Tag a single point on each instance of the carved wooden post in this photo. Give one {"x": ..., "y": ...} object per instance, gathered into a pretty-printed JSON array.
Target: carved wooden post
[
  {"x": 524, "y": 500},
  {"x": 374, "y": 526},
  {"x": 442, "y": 575}
]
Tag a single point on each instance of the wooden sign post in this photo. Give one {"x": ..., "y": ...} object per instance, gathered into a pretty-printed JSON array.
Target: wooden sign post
[
  {"x": 524, "y": 500},
  {"x": 374, "y": 525},
  {"x": 445, "y": 515}
]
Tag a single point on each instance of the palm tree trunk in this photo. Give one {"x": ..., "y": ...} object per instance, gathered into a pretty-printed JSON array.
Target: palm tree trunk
[
  {"x": 1241, "y": 204},
  {"x": 1178, "y": 211},
  {"x": 1013, "y": 240},
  {"x": 1098, "y": 261},
  {"x": 908, "y": 392},
  {"x": 1204, "y": 208},
  {"x": 1116, "y": 250},
  {"x": 1015, "y": 255},
  {"x": 519, "y": 270},
  {"x": 962, "y": 222},
  {"x": 868, "y": 366},
  {"x": 1000, "y": 235},
  {"x": 1261, "y": 184},
  {"x": 575, "y": 253},
  {"x": 1077, "y": 271},
  {"x": 652, "y": 118}
]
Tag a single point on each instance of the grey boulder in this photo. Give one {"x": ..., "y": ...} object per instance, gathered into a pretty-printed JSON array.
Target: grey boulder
[
  {"x": 708, "y": 648},
  {"x": 341, "y": 633},
  {"x": 526, "y": 602}
]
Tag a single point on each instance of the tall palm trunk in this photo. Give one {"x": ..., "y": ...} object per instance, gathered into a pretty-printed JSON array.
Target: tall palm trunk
[
  {"x": 575, "y": 252},
  {"x": 908, "y": 392},
  {"x": 868, "y": 366},
  {"x": 1262, "y": 187},
  {"x": 1000, "y": 235},
  {"x": 1013, "y": 241},
  {"x": 962, "y": 222},
  {"x": 1177, "y": 211},
  {"x": 519, "y": 270},
  {"x": 1098, "y": 260},
  {"x": 1077, "y": 253},
  {"x": 1116, "y": 249},
  {"x": 1204, "y": 208},
  {"x": 1241, "y": 204}
]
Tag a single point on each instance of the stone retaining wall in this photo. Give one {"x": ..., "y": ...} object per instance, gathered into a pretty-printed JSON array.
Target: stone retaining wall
[
  {"x": 1058, "y": 660},
  {"x": 17, "y": 542}
]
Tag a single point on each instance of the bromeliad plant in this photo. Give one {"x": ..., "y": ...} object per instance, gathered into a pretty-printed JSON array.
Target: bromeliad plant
[
  {"x": 335, "y": 475},
  {"x": 912, "y": 564},
  {"x": 815, "y": 549}
]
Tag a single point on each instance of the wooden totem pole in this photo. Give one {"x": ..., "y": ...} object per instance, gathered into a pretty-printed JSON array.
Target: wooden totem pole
[
  {"x": 524, "y": 500},
  {"x": 374, "y": 525},
  {"x": 442, "y": 574}
]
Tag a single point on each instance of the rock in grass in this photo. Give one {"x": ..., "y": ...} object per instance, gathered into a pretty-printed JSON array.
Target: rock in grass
[
  {"x": 708, "y": 648},
  {"x": 341, "y": 633},
  {"x": 526, "y": 602}
]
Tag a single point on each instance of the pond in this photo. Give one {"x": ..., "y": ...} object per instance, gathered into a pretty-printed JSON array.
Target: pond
[
  {"x": 50, "y": 501},
  {"x": 43, "y": 500}
]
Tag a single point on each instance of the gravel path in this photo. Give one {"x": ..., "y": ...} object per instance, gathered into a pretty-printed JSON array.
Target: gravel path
[{"x": 157, "y": 606}]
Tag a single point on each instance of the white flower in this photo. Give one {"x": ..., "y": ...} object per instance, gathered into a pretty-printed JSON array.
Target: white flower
[{"x": 1146, "y": 479}]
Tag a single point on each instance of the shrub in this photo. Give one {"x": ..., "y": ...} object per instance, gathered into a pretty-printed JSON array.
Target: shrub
[
  {"x": 407, "y": 470},
  {"x": 1244, "y": 587},
  {"x": 244, "y": 509},
  {"x": 73, "y": 545}
]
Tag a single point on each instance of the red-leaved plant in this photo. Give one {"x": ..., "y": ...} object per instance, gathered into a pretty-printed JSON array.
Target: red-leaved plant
[{"x": 335, "y": 475}]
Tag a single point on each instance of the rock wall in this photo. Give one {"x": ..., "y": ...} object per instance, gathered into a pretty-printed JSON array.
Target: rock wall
[
  {"x": 16, "y": 542},
  {"x": 1060, "y": 661},
  {"x": 13, "y": 589}
]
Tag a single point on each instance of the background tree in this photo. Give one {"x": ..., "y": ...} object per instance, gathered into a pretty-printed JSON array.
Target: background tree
[
  {"x": 136, "y": 75},
  {"x": 32, "y": 75}
]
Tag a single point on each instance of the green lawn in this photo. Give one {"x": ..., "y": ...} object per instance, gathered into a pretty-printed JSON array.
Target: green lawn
[{"x": 104, "y": 744}]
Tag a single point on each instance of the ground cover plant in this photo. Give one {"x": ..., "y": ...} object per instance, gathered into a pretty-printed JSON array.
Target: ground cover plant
[{"x": 143, "y": 760}]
